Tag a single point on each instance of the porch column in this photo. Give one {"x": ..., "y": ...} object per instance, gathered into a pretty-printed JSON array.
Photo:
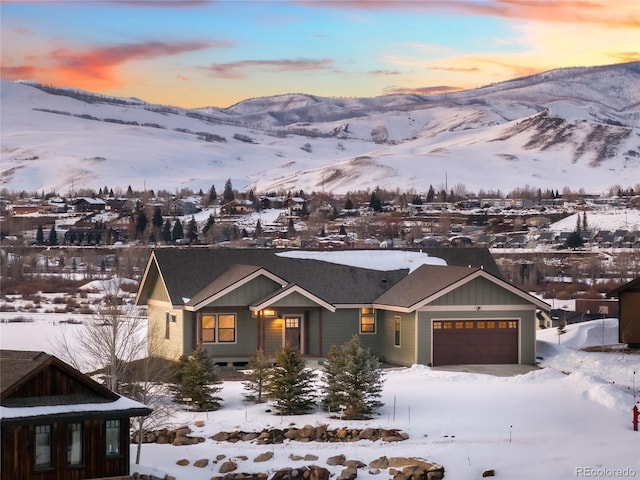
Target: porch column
[{"x": 320, "y": 331}]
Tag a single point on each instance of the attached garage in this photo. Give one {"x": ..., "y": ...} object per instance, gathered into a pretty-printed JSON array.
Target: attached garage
[{"x": 457, "y": 342}]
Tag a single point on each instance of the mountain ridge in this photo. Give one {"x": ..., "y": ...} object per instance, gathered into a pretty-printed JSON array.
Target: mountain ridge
[{"x": 577, "y": 127}]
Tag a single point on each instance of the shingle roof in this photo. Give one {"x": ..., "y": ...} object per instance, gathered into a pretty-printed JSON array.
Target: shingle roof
[
  {"x": 16, "y": 365},
  {"x": 187, "y": 272},
  {"x": 423, "y": 283}
]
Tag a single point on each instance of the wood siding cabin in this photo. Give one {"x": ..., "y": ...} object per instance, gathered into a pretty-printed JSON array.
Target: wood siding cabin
[
  {"x": 628, "y": 296},
  {"x": 234, "y": 302},
  {"x": 59, "y": 424}
]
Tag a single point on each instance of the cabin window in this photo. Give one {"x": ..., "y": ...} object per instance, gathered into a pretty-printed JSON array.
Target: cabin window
[
  {"x": 74, "y": 444},
  {"x": 169, "y": 319},
  {"x": 113, "y": 437},
  {"x": 396, "y": 331},
  {"x": 218, "y": 328},
  {"x": 367, "y": 320},
  {"x": 43, "y": 446}
]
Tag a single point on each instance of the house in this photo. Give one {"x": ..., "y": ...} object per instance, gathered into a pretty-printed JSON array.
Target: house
[
  {"x": 628, "y": 296},
  {"x": 234, "y": 302},
  {"x": 58, "y": 423},
  {"x": 89, "y": 205}
]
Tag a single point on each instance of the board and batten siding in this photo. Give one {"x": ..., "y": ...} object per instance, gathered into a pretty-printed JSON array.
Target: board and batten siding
[
  {"x": 248, "y": 293},
  {"x": 480, "y": 291},
  {"x": 405, "y": 354},
  {"x": 338, "y": 327}
]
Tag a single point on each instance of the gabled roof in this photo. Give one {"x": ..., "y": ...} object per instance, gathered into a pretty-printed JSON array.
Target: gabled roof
[
  {"x": 632, "y": 286},
  {"x": 429, "y": 282},
  {"x": 233, "y": 278},
  {"x": 19, "y": 367},
  {"x": 269, "y": 300}
]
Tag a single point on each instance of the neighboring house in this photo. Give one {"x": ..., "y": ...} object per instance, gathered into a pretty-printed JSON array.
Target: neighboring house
[
  {"x": 234, "y": 302},
  {"x": 628, "y": 296},
  {"x": 59, "y": 424},
  {"x": 89, "y": 205}
]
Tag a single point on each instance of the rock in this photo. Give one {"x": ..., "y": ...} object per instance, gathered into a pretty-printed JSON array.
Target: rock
[
  {"x": 336, "y": 460},
  {"x": 203, "y": 462},
  {"x": 435, "y": 475},
  {"x": 183, "y": 462},
  {"x": 263, "y": 457},
  {"x": 308, "y": 431},
  {"x": 199, "y": 423},
  {"x": 247, "y": 437},
  {"x": 489, "y": 473},
  {"x": 295, "y": 458},
  {"x": 169, "y": 477},
  {"x": 318, "y": 473},
  {"x": 228, "y": 466},
  {"x": 291, "y": 434},
  {"x": 242, "y": 457},
  {"x": 220, "y": 456},
  {"x": 349, "y": 473},
  {"x": 374, "y": 471},
  {"x": 309, "y": 457},
  {"x": 354, "y": 464},
  {"x": 382, "y": 463},
  {"x": 182, "y": 431},
  {"x": 221, "y": 437},
  {"x": 367, "y": 434}
]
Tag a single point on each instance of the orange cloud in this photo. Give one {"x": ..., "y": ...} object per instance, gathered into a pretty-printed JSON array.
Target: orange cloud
[
  {"x": 626, "y": 56},
  {"x": 239, "y": 69},
  {"x": 455, "y": 69},
  {"x": 421, "y": 90},
  {"x": 613, "y": 13},
  {"x": 100, "y": 67}
]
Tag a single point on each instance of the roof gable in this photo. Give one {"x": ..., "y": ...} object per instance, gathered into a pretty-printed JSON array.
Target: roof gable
[
  {"x": 431, "y": 282},
  {"x": 291, "y": 290},
  {"x": 632, "y": 286},
  {"x": 232, "y": 279}
]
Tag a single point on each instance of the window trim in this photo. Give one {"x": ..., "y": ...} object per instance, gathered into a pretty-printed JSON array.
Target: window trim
[
  {"x": 368, "y": 313},
  {"x": 70, "y": 443},
  {"x": 47, "y": 433},
  {"x": 110, "y": 426},
  {"x": 217, "y": 329}
]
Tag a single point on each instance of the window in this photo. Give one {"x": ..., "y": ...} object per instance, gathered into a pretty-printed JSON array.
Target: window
[
  {"x": 74, "y": 444},
  {"x": 396, "y": 331},
  {"x": 169, "y": 319},
  {"x": 219, "y": 328},
  {"x": 292, "y": 322},
  {"x": 43, "y": 446},
  {"x": 367, "y": 320},
  {"x": 113, "y": 437},
  {"x": 437, "y": 325}
]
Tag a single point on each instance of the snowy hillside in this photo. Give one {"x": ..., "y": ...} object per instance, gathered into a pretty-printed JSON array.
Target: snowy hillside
[{"x": 571, "y": 127}]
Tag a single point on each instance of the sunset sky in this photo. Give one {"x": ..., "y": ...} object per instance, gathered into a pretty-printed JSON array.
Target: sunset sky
[{"x": 196, "y": 53}]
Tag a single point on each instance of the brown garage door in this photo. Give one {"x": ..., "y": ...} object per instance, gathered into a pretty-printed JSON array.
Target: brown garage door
[{"x": 458, "y": 342}]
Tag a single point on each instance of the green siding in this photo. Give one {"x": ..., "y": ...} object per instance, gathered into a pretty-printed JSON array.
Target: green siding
[
  {"x": 274, "y": 334},
  {"x": 527, "y": 330},
  {"x": 294, "y": 299},
  {"x": 405, "y": 353},
  {"x": 248, "y": 293},
  {"x": 480, "y": 291},
  {"x": 338, "y": 327},
  {"x": 246, "y": 338}
]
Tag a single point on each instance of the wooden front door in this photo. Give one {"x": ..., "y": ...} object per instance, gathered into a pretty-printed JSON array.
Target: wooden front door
[{"x": 292, "y": 332}]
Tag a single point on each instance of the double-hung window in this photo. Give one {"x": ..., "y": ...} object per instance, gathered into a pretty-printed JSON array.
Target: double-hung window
[
  {"x": 218, "y": 328},
  {"x": 112, "y": 428},
  {"x": 43, "y": 447},
  {"x": 74, "y": 443},
  {"x": 367, "y": 320},
  {"x": 397, "y": 323}
]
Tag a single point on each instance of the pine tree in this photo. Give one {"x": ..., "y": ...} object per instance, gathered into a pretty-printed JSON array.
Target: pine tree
[
  {"x": 207, "y": 226},
  {"x": 192, "y": 230},
  {"x": 348, "y": 204},
  {"x": 166, "y": 231},
  {"x": 584, "y": 222},
  {"x": 53, "y": 236},
  {"x": 343, "y": 231},
  {"x": 196, "y": 382},
  {"x": 290, "y": 383},
  {"x": 213, "y": 195},
  {"x": 228, "y": 195},
  {"x": 156, "y": 220},
  {"x": 39, "y": 235},
  {"x": 353, "y": 380},
  {"x": 431, "y": 194},
  {"x": 141, "y": 224},
  {"x": 258, "y": 231},
  {"x": 177, "y": 233},
  {"x": 259, "y": 369}
]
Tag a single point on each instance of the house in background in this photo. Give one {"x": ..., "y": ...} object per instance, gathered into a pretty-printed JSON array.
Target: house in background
[
  {"x": 59, "y": 424},
  {"x": 457, "y": 310},
  {"x": 628, "y": 296}
]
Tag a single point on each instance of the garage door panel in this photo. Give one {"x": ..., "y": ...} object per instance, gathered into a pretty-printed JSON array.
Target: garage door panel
[{"x": 475, "y": 342}]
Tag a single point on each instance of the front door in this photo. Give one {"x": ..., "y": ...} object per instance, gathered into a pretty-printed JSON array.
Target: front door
[{"x": 292, "y": 332}]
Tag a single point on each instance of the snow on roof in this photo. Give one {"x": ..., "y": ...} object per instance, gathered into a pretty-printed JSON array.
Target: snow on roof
[
  {"x": 372, "y": 259},
  {"x": 120, "y": 405}
]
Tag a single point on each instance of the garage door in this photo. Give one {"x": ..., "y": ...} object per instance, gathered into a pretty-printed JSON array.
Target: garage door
[{"x": 475, "y": 342}]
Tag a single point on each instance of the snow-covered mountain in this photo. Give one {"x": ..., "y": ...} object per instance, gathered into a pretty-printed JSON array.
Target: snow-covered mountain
[{"x": 577, "y": 127}]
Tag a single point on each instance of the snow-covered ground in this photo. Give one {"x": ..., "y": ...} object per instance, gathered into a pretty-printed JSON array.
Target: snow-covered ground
[{"x": 570, "y": 419}]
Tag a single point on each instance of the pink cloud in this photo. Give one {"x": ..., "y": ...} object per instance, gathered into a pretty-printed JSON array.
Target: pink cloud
[
  {"x": 421, "y": 90},
  {"x": 239, "y": 69}
]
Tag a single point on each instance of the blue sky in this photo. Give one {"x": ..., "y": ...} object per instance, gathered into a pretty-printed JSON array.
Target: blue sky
[{"x": 196, "y": 53}]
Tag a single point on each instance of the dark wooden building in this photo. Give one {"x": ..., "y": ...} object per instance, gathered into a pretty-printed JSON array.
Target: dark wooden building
[
  {"x": 59, "y": 424},
  {"x": 628, "y": 296}
]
